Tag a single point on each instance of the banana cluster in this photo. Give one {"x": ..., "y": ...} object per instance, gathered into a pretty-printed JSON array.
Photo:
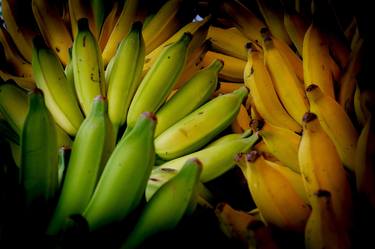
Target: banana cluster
[{"x": 120, "y": 112}]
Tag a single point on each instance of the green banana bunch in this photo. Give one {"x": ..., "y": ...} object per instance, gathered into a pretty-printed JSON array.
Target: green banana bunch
[
  {"x": 217, "y": 159},
  {"x": 122, "y": 184},
  {"x": 125, "y": 75},
  {"x": 199, "y": 127},
  {"x": 39, "y": 157},
  {"x": 159, "y": 79},
  {"x": 190, "y": 96},
  {"x": 88, "y": 67},
  {"x": 50, "y": 78},
  {"x": 92, "y": 147},
  {"x": 174, "y": 200}
]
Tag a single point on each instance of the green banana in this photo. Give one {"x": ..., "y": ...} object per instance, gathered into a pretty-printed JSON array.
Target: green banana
[
  {"x": 122, "y": 184},
  {"x": 8, "y": 133},
  {"x": 190, "y": 96},
  {"x": 63, "y": 160},
  {"x": 50, "y": 78},
  {"x": 173, "y": 201},
  {"x": 217, "y": 159},
  {"x": 160, "y": 79},
  {"x": 199, "y": 127},
  {"x": 92, "y": 147},
  {"x": 89, "y": 79},
  {"x": 125, "y": 75},
  {"x": 98, "y": 11},
  {"x": 69, "y": 73}
]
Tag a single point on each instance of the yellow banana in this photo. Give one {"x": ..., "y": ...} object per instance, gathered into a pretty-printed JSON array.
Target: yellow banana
[
  {"x": 25, "y": 83},
  {"x": 227, "y": 87},
  {"x": 79, "y": 9},
  {"x": 98, "y": 13},
  {"x": 335, "y": 123},
  {"x": 242, "y": 121},
  {"x": 108, "y": 24},
  {"x": 362, "y": 102}
]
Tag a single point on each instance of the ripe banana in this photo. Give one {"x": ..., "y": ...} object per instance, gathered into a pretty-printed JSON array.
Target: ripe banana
[
  {"x": 161, "y": 78},
  {"x": 176, "y": 199},
  {"x": 241, "y": 123},
  {"x": 98, "y": 13},
  {"x": 189, "y": 97},
  {"x": 227, "y": 87},
  {"x": 216, "y": 160},
  {"x": 197, "y": 128},
  {"x": 88, "y": 67},
  {"x": 324, "y": 172},
  {"x": 335, "y": 123},
  {"x": 125, "y": 75},
  {"x": 284, "y": 209},
  {"x": 81, "y": 9},
  {"x": 92, "y": 146},
  {"x": 50, "y": 77},
  {"x": 25, "y": 83},
  {"x": 264, "y": 96},
  {"x": 123, "y": 181},
  {"x": 109, "y": 24}
]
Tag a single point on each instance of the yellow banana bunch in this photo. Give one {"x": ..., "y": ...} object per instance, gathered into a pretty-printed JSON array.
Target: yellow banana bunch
[
  {"x": 335, "y": 123},
  {"x": 284, "y": 209}
]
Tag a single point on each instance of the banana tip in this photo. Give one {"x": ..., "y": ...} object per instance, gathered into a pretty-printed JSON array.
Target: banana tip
[
  {"x": 311, "y": 88},
  {"x": 308, "y": 117},
  {"x": 83, "y": 24},
  {"x": 150, "y": 115},
  {"x": 252, "y": 156},
  {"x": 138, "y": 25}
]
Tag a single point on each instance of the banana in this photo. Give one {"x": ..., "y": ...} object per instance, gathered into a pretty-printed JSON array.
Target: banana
[
  {"x": 197, "y": 128},
  {"x": 25, "y": 83},
  {"x": 98, "y": 12},
  {"x": 264, "y": 95},
  {"x": 227, "y": 87},
  {"x": 160, "y": 78},
  {"x": 120, "y": 29},
  {"x": 92, "y": 147},
  {"x": 228, "y": 41},
  {"x": 59, "y": 97},
  {"x": 287, "y": 85},
  {"x": 316, "y": 69},
  {"x": 125, "y": 75},
  {"x": 324, "y": 172},
  {"x": 189, "y": 97},
  {"x": 63, "y": 161},
  {"x": 79, "y": 9},
  {"x": 233, "y": 67},
  {"x": 108, "y": 24},
  {"x": 6, "y": 132},
  {"x": 89, "y": 79},
  {"x": 335, "y": 123},
  {"x": 242, "y": 121},
  {"x": 216, "y": 159},
  {"x": 163, "y": 212},
  {"x": 362, "y": 102},
  {"x": 282, "y": 143},
  {"x": 286, "y": 209},
  {"x": 52, "y": 27},
  {"x": 124, "y": 175}
]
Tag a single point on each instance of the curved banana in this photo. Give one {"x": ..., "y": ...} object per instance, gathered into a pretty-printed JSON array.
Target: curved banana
[
  {"x": 197, "y": 128},
  {"x": 24, "y": 83},
  {"x": 362, "y": 100},
  {"x": 241, "y": 123},
  {"x": 109, "y": 24},
  {"x": 52, "y": 28},
  {"x": 161, "y": 78},
  {"x": 89, "y": 78},
  {"x": 125, "y": 75},
  {"x": 287, "y": 85},
  {"x": 286, "y": 210},
  {"x": 123, "y": 181},
  {"x": 216, "y": 160},
  {"x": 324, "y": 172},
  {"x": 81, "y": 9},
  {"x": 189, "y": 97},
  {"x": 335, "y": 123},
  {"x": 92, "y": 146},
  {"x": 50, "y": 77},
  {"x": 98, "y": 8},
  {"x": 176, "y": 199},
  {"x": 120, "y": 29}
]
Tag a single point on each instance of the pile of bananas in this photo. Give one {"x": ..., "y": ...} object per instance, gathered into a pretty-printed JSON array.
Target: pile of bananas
[{"x": 116, "y": 118}]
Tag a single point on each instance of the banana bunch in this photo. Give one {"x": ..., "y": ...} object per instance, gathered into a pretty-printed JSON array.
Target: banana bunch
[{"x": 121, "y": 116}]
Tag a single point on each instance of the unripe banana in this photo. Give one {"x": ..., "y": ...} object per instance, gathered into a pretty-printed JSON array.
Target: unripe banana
[
  {"x": 81, "y": 9},
  {"x": 92, "y": 147},
  {"x": 125, "y": 75},
  {"x": 159, "y": 79},
  {"x": 122, "y": 184},
  {"x": 216, "y": 159},
  {"x": 98, "y": 12},
  {"x": 174, "y": 200},
  {"x": 335, "y": 123},
  {"x": 60, "y": 98},
  {"x": 189, "y": 97},
  {"x": 63, "y": 161},
  {"x": 198, "y": 128},
  {"x": 88, "y": 67}
]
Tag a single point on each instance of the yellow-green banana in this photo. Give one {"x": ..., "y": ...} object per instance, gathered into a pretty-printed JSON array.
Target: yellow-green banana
[
  {"x": 98, "y": 12},
  {"x": 81, "y": 9}
]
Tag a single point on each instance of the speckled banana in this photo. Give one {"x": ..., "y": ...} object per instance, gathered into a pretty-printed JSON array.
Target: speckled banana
[
  {"x": 197, "y": 128},
  {"x": 176, "y": 199},
  {"x": 91, "y": 149},
  {"x": 335, "y": 122},
  {"x": 189, "y": 97},
  {"x": 122, "y": 184},
  {"x": 216, "y": 160},
  {"x": 89, "y": 79},
  {"x": 161, "y": 78},
  {"x": 109, "y": 24},
  {"x": 50, "y": 77},
  {"x": 125, "y": 75}
]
